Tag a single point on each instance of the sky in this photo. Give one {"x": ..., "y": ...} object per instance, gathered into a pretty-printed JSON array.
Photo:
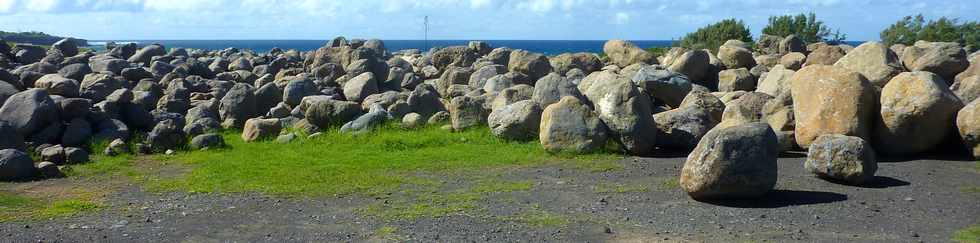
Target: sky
[{"x": 448, "y": 19}]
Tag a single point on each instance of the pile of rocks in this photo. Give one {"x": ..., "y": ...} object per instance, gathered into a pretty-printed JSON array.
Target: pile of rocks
[{"x": 837, "y": 101}]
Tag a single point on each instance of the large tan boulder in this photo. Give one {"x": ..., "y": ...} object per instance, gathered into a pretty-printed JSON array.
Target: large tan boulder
[
  {"x": 778, "y": 113},
  {"x": 776, "y": 81},
  {"x": 734, "y": 55},
  {"x": 972, "y": 70},
  {"x": 793, "y": 60},
  {"x": 968, "y": 89},
  {"x": 571, "y": 126},
  {"x": 732, "y": 162},
  {"x": 945, "y": 59},
  {"x": 917, "y": 110},
  {"x": 261, "y": 129},
  {"x": 624, "y": 53},
  {"x": 825, "y": 55},
  {"x": 968, "y": 122},
  {"x": 873, "y": 60},
  {"x": 831, "y": 100},
  {"x": 736, "y": 79},
  {"x": 587, "y": 62},
  {"x": 746, "y": 109},
  {"x": 694, "y": 64}
]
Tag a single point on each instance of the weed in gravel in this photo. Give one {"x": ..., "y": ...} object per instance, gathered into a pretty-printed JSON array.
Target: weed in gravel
[
  {"x": 969, "y": 235},
  {"x": 17, "y": 207},
  {"x": 670, "y": 184}
]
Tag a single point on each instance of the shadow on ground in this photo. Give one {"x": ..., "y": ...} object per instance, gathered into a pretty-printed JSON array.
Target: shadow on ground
[{"x": 782, "y": 198}]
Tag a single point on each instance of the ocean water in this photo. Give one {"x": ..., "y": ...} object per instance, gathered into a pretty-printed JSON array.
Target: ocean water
[{"x": 548, "y": 47}]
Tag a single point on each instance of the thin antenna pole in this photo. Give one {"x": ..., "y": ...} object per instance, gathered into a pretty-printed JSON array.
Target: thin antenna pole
[{"x": 426, "y": 34}]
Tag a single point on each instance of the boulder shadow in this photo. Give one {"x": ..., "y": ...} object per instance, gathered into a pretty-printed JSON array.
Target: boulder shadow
[
  {"x": 781, "y": 198},
  {"x": 881, "y": 182}
]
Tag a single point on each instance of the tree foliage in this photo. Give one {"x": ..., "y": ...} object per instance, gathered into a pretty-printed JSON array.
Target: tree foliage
[
  {"x": 804, "y": 26},
  {"x": 910, "y": 29},
  {"x": 34, "y": 37},
  {"x": 714, "y": 35}
]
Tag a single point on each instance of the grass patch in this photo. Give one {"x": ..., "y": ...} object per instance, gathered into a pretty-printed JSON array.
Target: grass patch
[
  {"x": 620, "y": 188},
  {"x": 429, "y": 205},
  {"x": 969, "y": 235},
  {"x": 16, "y": 207},
  {"x": 971, "y": 189},
  {"x": 337, "y": 164},
  {"x": 670, "y": 184}
]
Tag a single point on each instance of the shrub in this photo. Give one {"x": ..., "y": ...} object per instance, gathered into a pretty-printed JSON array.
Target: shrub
[
  {"x": 714, "y": 35},
  {"x": 804, "y": 26},
  {"x": 910, "y": 29}
]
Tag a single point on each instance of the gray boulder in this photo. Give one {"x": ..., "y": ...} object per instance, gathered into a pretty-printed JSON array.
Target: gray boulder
[
  {"x": 684, "y": 126},
  {"x": 364, "y": 123},
  {"x": 77, "y": 133},
  {"x": 207, "y": 141},
  {"x": 360, "y": 87},
  {"x": 842, "y": 158},
  {"x": 552, "y": 87},
  {"x": 736, "y": 79},
  {"x": 664, "y": 85},
  {"x": 624, "y": 53},
  {"x": 732, "y": 162},
  {"x": 57, "y": 85},
  {"x": 10, "y": 139},
  {"x": 16, "y": 165},
  {"x": 327, "y": 113},
  {"x": 30, "y": 111},
  {"x": 625, "y": 111},
  {"x": 166, "y": 135},
  {"x": 517, "y": 121},
  {"x": 534, "y": 65},
  {"x": 945, "y": 59},
  {"x": 466, "y": 112},
  {"x": 693, "y": 64},
  {"x": 237, "y": 106}
]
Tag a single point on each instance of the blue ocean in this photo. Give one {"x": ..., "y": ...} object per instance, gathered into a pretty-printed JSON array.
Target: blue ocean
[{"x": 548, "y": 47}]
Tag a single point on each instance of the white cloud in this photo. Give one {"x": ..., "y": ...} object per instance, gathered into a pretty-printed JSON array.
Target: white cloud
[
  {"x": 622, "y": 18},
  {"x": 6, "y": 5},
  {"x": 40, "y": 5},
  {"x": 477, "y": 4}
]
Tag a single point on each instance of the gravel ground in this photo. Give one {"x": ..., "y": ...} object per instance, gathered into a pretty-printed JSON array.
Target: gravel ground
[{"x": 911, "y": 201}]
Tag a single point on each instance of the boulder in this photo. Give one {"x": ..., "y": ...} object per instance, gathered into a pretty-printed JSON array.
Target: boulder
[
  {"x": 571, "y": 126},
  {"x": 466, "y": 112},
  {"x": 732, "y": 163},
  {"x": 146, "y": 54},
  {"x": 509, "y": 96},
  {"x": 747, "y": 108},
  {"x": 6, "y": 90},
  {"x": 945, "y": 59},
  {"x": 683, "y": 127},
  {"x": 266, "y": 97},
  {"x": 77, "y": 133},
  {"x": 424, "y": 99},
  {"x": 972, "y": 70},
  {"x": 736, "y": 79},
  {"x": 207, "y": 141},
  {"x": 968, "y": 122},
  {"x": 665, "y": 86},
  {"x": 967, "y": 89},
  {"x": 793, "y": 60},
  {"x": 30, "y": 111},
  {"x": 552, "y": 87},
  {"x": 842, "y": 158},
  {"x": 778, "y": 113},
  {"x": 55, "y": 154},
  {"x": 624, "y": 110},
  {"x": 261, "y": 129},
  {"x": 108, "y": 64},
  {"x": 459, "y": 56},
  {"x": 768, "y": 44},
  {"x": 873, "y": 60},
  {"x": 825, "y": 55},
  {"x": 917, "y": 109},
  {"x": 735, "y": 56},
  {"x": 790, "y": 44},
  {"x": 166, "y": 135},
  {"x": 693, "y": 64},
  {"x": 364, "y": 123},
  {"x": 75, "y": 155},
  {"x": 587, "y": 62},
  {"x": 328, "y": 113},
  {"x": 412, "y": 120},
  {"x": 57, "y": 85},
  {"x": 452, "y": 76},
  {"x": 49, "y": 170},
  {"x": 28, "y": 53},
  {"x": 479, "y": 78},
  {"x": 624, "y": 53},
  {"x": 831, "y": 100},
  {"x": 534, "y": 65},
  {"x": 16, "y": 165},
  {"x": 10, "y": 139},
  {"x": 237, "y": 106},
  {"x": 776, "y": 82},
  {"x": 503, "y": 81},
  {"x": 75, "y": 71},
  {"x": 96, "y": 86},
  {"x": 518, "y": 121}
]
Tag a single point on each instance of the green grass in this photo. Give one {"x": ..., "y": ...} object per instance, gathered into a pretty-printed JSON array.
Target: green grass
[
  {"x": 969, "y": 235},
  {"x": 336, "y": 164},
  {"x": 669, "y": 184},
  {"x": 17, "y": 207},
  {"x": 540, "y": 219}
]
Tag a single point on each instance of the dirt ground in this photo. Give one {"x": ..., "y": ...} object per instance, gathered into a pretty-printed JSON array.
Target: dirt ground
[{"x": 922, "y": 200}]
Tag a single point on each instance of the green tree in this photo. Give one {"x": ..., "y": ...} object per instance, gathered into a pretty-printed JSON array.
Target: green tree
[
  {"x": 714, "y": 35},
  {"x": 910, "y": 29},
  {"x": 804, "y": 26}
]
